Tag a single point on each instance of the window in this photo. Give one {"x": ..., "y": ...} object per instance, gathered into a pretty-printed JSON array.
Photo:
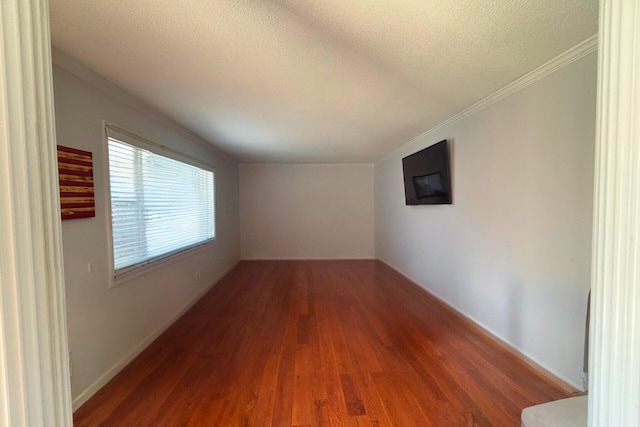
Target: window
[{"x": 162, "y": 203}]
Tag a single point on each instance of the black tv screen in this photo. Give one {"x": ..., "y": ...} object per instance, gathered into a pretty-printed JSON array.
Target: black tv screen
[{"x": 427, "y": 177}]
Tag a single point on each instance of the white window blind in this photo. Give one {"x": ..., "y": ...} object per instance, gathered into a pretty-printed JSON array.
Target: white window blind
[{"x": 159, "y": 205}]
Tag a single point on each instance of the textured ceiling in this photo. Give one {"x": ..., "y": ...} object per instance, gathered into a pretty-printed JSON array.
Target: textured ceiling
[{"x": 315, "y": 81}]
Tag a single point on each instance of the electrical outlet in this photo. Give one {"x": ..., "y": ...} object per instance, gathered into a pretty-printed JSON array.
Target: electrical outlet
[
  {"x": 70, "y": 364},
  {"x": 197, "y": 274}
]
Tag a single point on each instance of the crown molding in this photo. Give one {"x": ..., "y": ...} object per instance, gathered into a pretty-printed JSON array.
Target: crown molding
[
  {"x": 575, "y": 53},
  {"x": 83, "y": 72},
  {"x": 75, "y": 67}
]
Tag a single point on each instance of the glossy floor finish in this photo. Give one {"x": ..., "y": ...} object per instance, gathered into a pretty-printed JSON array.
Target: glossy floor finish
[{"x": 319, "y": 343}]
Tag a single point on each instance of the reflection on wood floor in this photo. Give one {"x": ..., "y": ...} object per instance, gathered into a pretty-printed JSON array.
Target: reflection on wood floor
[{"x": 320, "y": 343}]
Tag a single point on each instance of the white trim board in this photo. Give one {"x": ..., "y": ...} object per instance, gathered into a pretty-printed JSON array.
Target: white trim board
[
  {"x": 552, "y": 373},
  {"x": 34, "y": 364},
  {"x": 86, "y": 394},
  {"x": 614, "y": 350},
  {"x": 579, "y": 51}
]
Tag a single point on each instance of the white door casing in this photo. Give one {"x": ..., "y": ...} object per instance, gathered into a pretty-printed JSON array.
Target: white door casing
[
  {"x": 614, "y": 395},
  {"x": 34, "y": 372}
]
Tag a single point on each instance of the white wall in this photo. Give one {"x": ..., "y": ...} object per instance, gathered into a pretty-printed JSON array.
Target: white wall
[
  {"x": 513, "y": 251},
  {"x": 306, "y": 211},
  {"x": 107, "y": 326}
]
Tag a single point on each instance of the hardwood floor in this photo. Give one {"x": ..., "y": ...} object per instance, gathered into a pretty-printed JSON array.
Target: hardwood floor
[{"x": 320, "y": 343}]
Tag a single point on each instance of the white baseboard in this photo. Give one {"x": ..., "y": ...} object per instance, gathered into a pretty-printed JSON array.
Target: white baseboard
[
  {"x": 80, "y": 399},
  {"x": 567, "y": 384}
]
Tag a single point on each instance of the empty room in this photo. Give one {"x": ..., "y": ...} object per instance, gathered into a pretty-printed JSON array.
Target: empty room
[{"x": 284, "y": 213}]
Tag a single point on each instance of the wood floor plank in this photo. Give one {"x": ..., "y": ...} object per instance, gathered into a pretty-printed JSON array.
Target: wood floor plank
[{"x": 320, "y": 343}]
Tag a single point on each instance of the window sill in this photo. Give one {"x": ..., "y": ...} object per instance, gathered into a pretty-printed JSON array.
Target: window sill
[{"x": 161, "y": 263}]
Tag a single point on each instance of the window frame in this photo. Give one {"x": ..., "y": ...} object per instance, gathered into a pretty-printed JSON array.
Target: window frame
[{"x": 120, "y": 276}]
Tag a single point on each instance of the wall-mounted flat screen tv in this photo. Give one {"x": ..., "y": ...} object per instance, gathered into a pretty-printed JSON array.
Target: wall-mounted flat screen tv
[{"x": 427, "y": 176}]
